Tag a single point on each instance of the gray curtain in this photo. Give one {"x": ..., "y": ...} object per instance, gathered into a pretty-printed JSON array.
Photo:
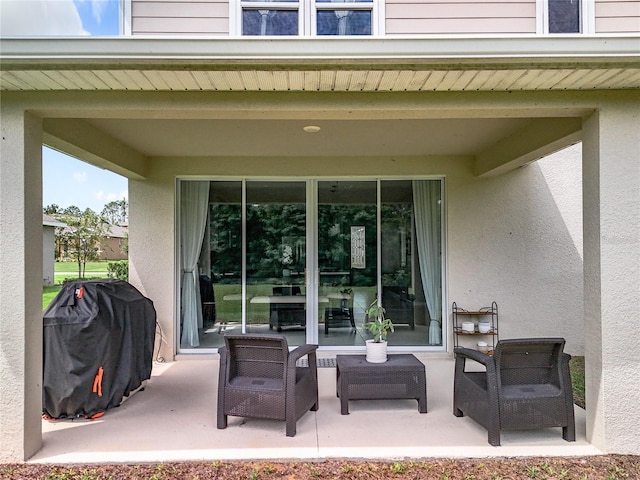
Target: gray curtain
[
  {"x": 426, "y": 199},
  {"x": 194, "y": 206}
]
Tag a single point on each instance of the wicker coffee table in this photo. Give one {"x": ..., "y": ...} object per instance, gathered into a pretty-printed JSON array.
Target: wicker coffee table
[{"x": 401, "y": 376}]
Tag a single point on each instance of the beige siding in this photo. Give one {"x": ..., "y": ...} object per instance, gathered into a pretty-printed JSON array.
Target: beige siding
[
  {"x": 617, "y": 16},
  {"x": 180, "y": 17},
  {"x": 410, "y": 17},
  {"x": 403, "y": 17}
]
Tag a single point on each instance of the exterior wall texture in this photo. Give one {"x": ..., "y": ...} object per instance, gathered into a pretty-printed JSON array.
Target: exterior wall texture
[
  {"x": 21, "y": 260},
  {"x": 178, "y": 17},
  {"x": 611, "y": 192},
  {"x": 617, "y": 16},
  {"x": 449, "y": 16},
  {"x": 403, "y": 17}
]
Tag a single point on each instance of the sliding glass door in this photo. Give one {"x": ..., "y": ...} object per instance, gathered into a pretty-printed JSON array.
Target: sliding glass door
[
  {"x": 347, "y": 259},
  {"x": 276, "y": 259},
  {"x": 306, "y": 259}
]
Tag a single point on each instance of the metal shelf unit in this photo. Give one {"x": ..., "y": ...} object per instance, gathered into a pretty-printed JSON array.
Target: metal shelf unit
[{"x": 460, "y": 315}]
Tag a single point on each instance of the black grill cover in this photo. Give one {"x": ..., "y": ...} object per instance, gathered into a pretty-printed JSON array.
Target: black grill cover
[{"x": 98, "y": 347}]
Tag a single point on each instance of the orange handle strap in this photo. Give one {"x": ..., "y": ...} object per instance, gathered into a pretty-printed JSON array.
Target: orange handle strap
[{"x": 97, "y": 382}]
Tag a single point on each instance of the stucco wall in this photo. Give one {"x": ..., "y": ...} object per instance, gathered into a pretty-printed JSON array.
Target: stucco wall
[{"x": 515, "y": 238}]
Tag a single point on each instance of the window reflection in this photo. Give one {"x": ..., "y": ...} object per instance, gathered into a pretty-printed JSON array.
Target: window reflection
[
  {"x": 564, "y": 16},
  {"x": 270, "y": 22},
  {"x": 344, "y": 22}
]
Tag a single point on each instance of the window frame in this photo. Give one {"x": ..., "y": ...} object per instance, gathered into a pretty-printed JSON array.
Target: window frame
[{"x": 307, "y": 15}]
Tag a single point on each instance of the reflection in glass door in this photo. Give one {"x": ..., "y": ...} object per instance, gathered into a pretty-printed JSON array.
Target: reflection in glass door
[
  {"x": 375, "y": 239},
  {"x": 276, "y": 259},
  {"x": 347, "y": 259},
  {"x": 411, "y": 260}
]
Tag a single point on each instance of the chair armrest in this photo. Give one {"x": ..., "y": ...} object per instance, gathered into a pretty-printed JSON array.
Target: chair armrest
[
  {"x": 479, "y": 357},
  {"x": 301, "y": 351}
]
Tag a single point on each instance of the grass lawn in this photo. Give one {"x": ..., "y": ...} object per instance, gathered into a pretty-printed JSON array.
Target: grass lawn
[
  {"x": 48, "y": 294},
  {"x": 66, "y": 270},
  {"x": 576, "y": 365},
  {"x": 73, "y": 266}
]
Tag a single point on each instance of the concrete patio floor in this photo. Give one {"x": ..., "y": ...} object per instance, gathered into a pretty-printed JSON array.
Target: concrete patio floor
[{"x": 174, "y": 419}]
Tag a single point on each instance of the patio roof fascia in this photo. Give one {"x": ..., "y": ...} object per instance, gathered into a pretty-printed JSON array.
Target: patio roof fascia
[{"x": 354, "y": 53}]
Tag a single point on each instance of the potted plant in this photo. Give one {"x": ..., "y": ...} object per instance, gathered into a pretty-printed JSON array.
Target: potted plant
[{"x": 379, "y": 326}]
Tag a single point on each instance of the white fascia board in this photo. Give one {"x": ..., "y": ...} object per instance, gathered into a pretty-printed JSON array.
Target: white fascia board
[{"x": 305, "y": 51}]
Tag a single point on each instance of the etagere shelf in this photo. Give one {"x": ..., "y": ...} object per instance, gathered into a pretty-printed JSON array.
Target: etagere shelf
[{"x": 461, "y": 315}]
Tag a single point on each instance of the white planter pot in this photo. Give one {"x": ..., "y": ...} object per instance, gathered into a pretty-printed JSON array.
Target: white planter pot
[{"x": 376, "y": 352}]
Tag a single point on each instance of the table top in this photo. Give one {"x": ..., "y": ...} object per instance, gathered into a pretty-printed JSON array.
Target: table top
[
  {"x": 285, "y": 299},
  {"x": 394, "y": 361}
]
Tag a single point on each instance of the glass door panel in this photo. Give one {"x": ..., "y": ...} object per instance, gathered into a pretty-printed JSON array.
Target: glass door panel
[
  {"x": 276, "y": 259},
  {"x": 411, "y": 260},
  {"x": 347, "y": 260},
  {"x": 226, "y": 254}
]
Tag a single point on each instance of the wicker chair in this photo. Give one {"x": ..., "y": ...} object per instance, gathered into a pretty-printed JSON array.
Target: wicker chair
[
  {"x": 259, "y": 378},
  {"x": 526, "y": 385}
]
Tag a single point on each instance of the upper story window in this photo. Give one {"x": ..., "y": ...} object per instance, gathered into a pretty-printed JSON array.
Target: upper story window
[
  {"x": 307, "y": 17},
  {"x": 564, "y": 16}
]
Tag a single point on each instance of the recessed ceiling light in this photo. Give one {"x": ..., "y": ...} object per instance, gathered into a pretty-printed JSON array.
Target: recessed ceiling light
[{"x": 311, "y": 128}]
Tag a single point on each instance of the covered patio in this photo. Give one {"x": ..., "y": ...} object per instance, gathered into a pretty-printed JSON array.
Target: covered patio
[
  {"x": 477, "y": 112},
  {"x": 179, "y": 406}
]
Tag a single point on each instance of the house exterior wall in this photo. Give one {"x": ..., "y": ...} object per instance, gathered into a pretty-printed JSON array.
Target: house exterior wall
[
  {"x": 617, "y": 16},
  {"x": 509, "y": 216},
  {"x": 21, "y": 260},
  {"x": 176, "y": 17},
  {"x": 402, "y": 17},
  {"x": 405, "y": 17},
  {"x": 611, "y": 192},
  {"x": 491, "y": 224},
  {"x": 111, "y": 249},
  {"x": 517, "y": 239}
]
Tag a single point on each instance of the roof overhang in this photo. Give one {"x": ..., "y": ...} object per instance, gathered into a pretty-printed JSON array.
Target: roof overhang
[
  {"x": 182, "y": 79},
  {"x": 327, "y": 64}
]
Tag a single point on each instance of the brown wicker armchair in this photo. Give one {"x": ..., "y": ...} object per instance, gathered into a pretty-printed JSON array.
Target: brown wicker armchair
[
  {"x": 527, "y": 384},
  {"x": 259, "y": 378}
]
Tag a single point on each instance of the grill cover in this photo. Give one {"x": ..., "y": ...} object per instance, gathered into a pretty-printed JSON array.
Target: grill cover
[{"x": 98, "y": 346}]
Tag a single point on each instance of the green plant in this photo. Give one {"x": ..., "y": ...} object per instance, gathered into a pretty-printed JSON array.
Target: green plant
[
  {"x": 378, "y": 326},
  {"x": 616, "y": 472},
  {"x": 119, "y": 270},
  {"x": 533, "y": 471},
  {"x": 253, "y": 474},
  {"x": 576, "y": 365}
]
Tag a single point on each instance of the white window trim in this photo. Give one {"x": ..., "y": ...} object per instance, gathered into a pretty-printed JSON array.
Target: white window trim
[
  {"x": 126, "y": 15},
  {"x": 307, "y": 14}
]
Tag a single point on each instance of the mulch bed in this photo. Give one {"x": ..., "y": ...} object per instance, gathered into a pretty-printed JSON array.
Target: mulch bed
[{"x": 602, "y": 467}]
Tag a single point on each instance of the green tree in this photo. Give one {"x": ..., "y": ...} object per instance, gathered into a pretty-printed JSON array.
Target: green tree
[
  {"x": 116, "y": 212},
  {"x": 52, "y": 209},
  {"x": 81, "y": 237}
]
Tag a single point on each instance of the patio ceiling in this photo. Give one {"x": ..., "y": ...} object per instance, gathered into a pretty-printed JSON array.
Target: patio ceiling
[{"x": 260, "y": 76}]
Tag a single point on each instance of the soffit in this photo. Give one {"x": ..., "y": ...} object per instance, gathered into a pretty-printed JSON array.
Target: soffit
[{"x": 369, "y": 65}]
